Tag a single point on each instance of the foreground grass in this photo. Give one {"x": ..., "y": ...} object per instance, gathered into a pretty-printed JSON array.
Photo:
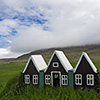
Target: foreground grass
[{"x": 16, "y": 90}]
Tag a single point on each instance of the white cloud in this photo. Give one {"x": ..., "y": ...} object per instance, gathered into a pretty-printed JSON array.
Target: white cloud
[
  {"x": 3, "y": 51},
  {"x": 70, "y": 22},
  {"x": 31, "y": 39},
  {"x": 6, "y": 25},
  {"x": 7, "y": 53}
]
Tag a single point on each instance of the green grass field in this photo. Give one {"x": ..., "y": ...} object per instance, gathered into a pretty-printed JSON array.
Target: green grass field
[{"x": 8, "y": 70}]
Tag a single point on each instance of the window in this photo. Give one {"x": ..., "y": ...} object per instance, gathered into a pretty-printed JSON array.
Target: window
[
  {"x": 27, "y": 79},
  {"x": 35, "y": 79},
  {"x": 90, "y": 79},
  {"x": 64, "y": 80},
  {"x": 47, "y": 79},
  {"x": 78, "y": 79},
  {"x": 55, "y": 64}
]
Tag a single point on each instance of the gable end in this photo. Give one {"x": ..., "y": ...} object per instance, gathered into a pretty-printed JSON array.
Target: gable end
[{"x": 86, "y": 57}]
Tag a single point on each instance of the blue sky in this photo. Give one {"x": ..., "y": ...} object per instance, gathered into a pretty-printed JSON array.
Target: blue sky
[{"x": 28, "y": 25}]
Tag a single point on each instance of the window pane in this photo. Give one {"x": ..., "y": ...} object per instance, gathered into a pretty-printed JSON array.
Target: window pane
[
  {"x": 55, "y": 64},
  {"x": 47, "y": 79},
  {"x": 78, "y": 79},
  {"x": 64, "y": 80},
  {"x": 35, "y": 79},
  {"x": 65, "y": 76},
  {"x": 90, "y": 79},
  {"x": 27, "y": 79}
]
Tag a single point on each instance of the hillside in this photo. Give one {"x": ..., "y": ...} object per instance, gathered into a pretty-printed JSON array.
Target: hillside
[{"x": 72, "y": 53}]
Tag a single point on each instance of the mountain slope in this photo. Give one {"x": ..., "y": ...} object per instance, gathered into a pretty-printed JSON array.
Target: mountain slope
[{"x": 72, "y": 53}]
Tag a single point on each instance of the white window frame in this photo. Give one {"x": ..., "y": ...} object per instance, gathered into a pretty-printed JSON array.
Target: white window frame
[
  {"x": 27, "y": 79},
  {"x": 90, "y": 78},
  {"x": 47, "y": 79},
  {"x": 56, "y": 64},
  {"x": 35, "y": 79},
  {"x": 78, "y": 79},
  {"x": 64, "y": 79}
]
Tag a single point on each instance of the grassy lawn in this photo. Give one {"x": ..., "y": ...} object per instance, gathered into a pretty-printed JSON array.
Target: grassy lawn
[
  {"x": 97, "y": 64},
  {"x": 8, "y": 70}
]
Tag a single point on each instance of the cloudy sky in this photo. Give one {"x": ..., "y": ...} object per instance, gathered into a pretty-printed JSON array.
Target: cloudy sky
[{"x": 28, "y": 25}]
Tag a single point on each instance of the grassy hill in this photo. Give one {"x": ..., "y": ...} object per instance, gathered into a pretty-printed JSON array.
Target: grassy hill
[{"x": 72, "y": 53}]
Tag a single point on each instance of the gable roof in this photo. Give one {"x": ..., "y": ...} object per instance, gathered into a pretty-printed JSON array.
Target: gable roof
[
  {"x": 38, "y": 61},
  {"x": 64, "y": 61},
  {"x": 89, "y": 61}
]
